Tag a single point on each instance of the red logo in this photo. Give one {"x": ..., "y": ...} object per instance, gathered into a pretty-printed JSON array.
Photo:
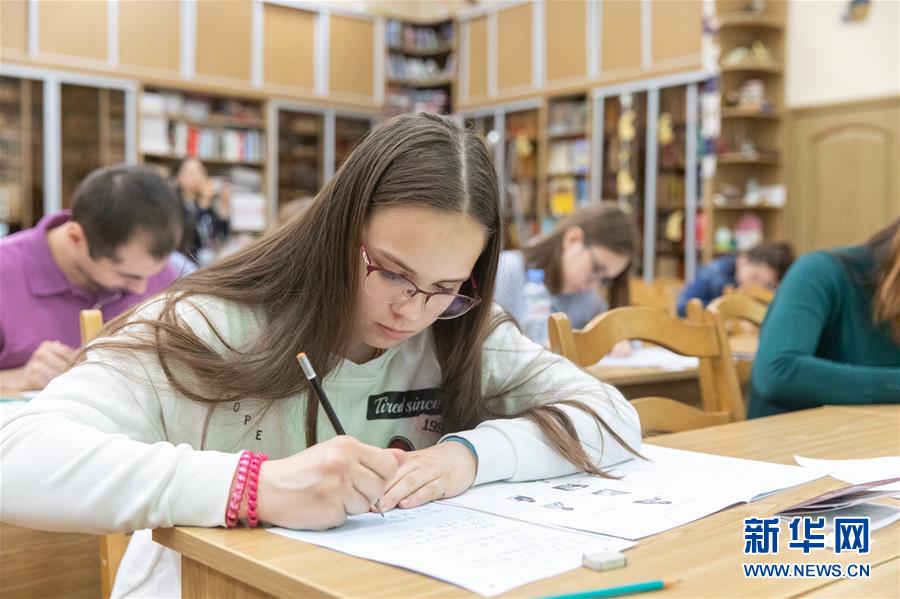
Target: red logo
[{"x": 398, "y": 442}]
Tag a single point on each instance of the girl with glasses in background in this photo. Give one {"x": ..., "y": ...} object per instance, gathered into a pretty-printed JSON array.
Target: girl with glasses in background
[
  {"x": 589, "y": 248},
  {"x": 386, "y": 282}
]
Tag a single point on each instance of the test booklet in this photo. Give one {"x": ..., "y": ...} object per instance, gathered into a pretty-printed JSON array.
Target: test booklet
[{"x": 500, "y": 536}]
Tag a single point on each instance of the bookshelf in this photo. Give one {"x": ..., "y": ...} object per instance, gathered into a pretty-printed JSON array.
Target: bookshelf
[
  {"x": 301, "y": 142},
  {"x": 748, "y": 191},
  {"x": 624, "y": 158},
  {"x": 670, "y": 183},
  {"x": 21, "y": 154},
  {"x": 348, "y": 131},
  {"x": 421, "y": 67},
  {"x": 226, "y": 133},
  {"x": 568, "y": 157},
  {"x": 522, "y": 156},
  {"x": 93, "y": 133}
]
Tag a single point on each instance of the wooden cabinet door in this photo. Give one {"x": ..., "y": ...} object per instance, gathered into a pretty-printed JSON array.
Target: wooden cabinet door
[{"x": 844, "y": 173}]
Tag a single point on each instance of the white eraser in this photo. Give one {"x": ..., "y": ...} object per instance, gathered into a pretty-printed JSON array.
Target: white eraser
[{"x": 604, "y": 560}]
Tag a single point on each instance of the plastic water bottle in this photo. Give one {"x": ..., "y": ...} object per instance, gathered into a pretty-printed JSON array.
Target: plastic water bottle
[{"x": 537, "y": 307}]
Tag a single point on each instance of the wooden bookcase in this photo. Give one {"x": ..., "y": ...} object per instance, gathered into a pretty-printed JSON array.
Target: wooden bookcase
[
  {"x": 421, "y": 67},
  {"x": 568, "y": 166},
  {"x": 311, "y": 146},
  {"x": 750, "y": 174},
  {"x": 522, "y": 154},
  {"x": 21, "y": 153},
  {"x": 226, "y": 133},
  {"x": 300, "y": 148},
  {"x": 93, "y": 133}
]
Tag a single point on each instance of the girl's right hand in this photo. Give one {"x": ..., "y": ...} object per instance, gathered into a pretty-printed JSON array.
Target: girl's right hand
[{"x": 320, "y": 486}]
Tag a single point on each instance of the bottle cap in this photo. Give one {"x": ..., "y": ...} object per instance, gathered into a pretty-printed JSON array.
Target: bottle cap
[{"x": 535, "y": 275}]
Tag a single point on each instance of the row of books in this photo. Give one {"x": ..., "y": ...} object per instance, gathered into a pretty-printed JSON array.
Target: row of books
[
  {"x": 403, "y": 36},
  {"x": 399, "y": 100},
  {"x": 419, "y": 69},
  {"x": 567, "y": 117},
  {"x": 567, "y": 194},
  {"x": 197, "y": 108},
  {"x": 573, "y": 156},
  {"x": 162, "y": 137}
]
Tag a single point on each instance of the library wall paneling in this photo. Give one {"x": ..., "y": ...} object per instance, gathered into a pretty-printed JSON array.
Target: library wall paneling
[
  {"x": 514, "y": 48},
  {"x": 13, "y": 27},
  {"x": 351, "y": 41},
  {"x": 224, "y": 39},
  {"x": 620, "y": 38},
  {"x": 477, "y": 63},
  {"x": 677, "y": 27},
  {"x": 149, "y": 34},
  {"x": 843, "y": 184},
  {"x": 566, "y": 34},
  {"x": 289, "y": 46},
  {"x": 75, "y": 28}
]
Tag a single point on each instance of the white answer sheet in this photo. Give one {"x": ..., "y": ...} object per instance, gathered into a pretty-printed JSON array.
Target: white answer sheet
[
  {"x": 651, "y": 357},
  {"x": 483, "y": 553},
  {"x": 671, "y": 488}
]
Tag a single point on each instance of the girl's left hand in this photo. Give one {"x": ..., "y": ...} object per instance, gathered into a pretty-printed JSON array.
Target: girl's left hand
[{"x": 444, "y": 470}]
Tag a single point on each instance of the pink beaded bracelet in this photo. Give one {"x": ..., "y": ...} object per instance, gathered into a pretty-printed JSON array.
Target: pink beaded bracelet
[
  {"x": 237, "y": 491},
  {"x": 253, "y": 486},
  {"x": 246, "y": 478}
]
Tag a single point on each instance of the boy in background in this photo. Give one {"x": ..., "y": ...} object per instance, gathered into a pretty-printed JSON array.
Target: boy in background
[{"x": 764, "y": 265}]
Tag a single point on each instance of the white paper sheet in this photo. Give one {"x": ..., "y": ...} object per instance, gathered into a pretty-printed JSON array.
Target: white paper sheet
[
  {"x": 651, "y": 357},
  {"x": 857, "y": 471},
  {"x": 483, "y": 553},
  {"x": 671, "y": 489}
]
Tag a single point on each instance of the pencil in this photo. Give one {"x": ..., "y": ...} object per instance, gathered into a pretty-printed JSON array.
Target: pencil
[
  {"x": 310, "y": 373},
  {"x": 628, "y": 589}
]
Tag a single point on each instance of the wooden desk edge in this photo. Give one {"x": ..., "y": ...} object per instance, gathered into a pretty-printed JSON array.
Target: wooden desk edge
[{"x": 240, "y": 567}]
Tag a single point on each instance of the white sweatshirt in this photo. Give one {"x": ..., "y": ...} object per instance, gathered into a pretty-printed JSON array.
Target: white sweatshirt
[{"x": 111, "y": 446}]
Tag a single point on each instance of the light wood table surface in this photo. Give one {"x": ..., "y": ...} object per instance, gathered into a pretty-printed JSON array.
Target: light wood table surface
[{"x": 705, "y": 555}]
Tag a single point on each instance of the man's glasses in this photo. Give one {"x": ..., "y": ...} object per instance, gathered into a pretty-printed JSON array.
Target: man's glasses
[{"x": 392, "y": 288}]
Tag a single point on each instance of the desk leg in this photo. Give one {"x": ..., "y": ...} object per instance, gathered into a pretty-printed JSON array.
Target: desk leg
[{"x": 200, "y": 582}]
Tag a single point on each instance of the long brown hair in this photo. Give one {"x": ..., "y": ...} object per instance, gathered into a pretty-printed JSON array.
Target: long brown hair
[
  {"x": 886, "y": 298},
  {"x": 303, "y": 277},
  {"x": 604, "y": 224},
  {"x": 878, "y": 273}
]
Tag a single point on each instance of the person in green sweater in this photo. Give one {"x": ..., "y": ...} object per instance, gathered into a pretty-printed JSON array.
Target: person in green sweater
[{"x": 832, "y": 333}]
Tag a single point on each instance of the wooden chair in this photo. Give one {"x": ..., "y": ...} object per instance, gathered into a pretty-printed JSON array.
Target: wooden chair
[
  {"x": 758, "y": 293},
  {"x": 737, "y": 307},
  {"x": 660, "y": 294},
  {"x": 112, "y": 546},
  {"x": 701, "y": 335}
]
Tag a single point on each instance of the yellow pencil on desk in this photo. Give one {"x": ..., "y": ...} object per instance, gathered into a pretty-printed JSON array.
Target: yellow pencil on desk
[{"x": 310, "y": 373}]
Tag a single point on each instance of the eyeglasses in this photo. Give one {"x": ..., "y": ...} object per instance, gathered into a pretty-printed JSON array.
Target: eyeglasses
[
  {"x": 392, "y": 288},
  {"x": 598, "y": 270}
]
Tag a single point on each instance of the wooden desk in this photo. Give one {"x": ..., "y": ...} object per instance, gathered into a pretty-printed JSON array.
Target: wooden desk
[
  {"x": 674, "y": 384},
  {"x": 706, "y": 555},
  {"x": 36, "y": 563}
]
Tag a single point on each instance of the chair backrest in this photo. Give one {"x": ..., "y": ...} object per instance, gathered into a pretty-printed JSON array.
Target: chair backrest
[
  {"x": 112, "y": 546},
  {"x": 758, "y": 293},
  {"x": 91, "y": 321},
  {"x": 736, "y": 308},
  {"x": 701, "y": 335},
  {"x": 739, "y": 305},
  {"x": 660, "y": 294}
]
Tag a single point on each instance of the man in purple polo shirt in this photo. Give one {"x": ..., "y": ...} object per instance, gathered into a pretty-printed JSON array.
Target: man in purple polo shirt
[{"x": 109, "y": 253}]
